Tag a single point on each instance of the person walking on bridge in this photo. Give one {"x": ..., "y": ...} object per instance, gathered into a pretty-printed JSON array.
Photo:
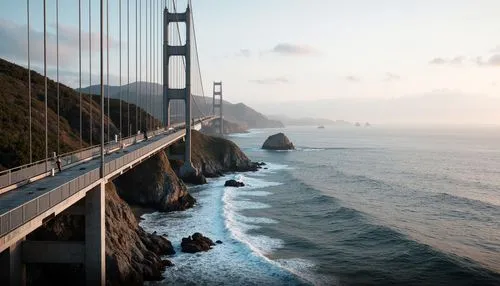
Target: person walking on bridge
[{"x": 58, "y": 163}]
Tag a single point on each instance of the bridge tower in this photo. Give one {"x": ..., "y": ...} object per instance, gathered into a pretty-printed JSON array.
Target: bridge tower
[
  {"x": 178, "y": 93},
  {"x": 217, "y": 104}
]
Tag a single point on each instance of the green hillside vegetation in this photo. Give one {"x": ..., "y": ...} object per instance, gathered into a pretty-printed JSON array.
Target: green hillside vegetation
[{"x": 14, "y": 117}]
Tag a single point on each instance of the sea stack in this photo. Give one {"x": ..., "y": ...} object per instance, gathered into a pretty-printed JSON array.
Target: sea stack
[{"x": 278, "y": 142}]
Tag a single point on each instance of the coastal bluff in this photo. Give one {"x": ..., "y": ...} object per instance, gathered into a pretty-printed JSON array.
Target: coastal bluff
[
  {"x": 134, "y": 256},
  {"x": 229, "y": 128},
  {"x": 278, "y": 141},
  {"x": 213, "y": 156},
  {"x": 154, "y": 184}
]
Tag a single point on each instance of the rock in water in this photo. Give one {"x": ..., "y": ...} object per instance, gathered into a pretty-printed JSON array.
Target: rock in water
[
  {"x": 234, "y": 183},
  {"x": 196, "y": 243},
  {"x": 278, "y": 142}
]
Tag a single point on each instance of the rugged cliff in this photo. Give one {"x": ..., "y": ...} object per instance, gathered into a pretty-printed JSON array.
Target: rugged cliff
[
  {"x": 132, "y": 255},
  {"x": 214, "y": 156},
  {"x": 154, "y": 184},
  {"x": 229, "y": 128}
]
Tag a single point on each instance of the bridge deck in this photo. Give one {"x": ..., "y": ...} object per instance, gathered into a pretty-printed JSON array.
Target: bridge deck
[
  {"x": 26, "y": 193},
  {"x": 24, "y": 209},
  {"x": 19, "y": 206}
]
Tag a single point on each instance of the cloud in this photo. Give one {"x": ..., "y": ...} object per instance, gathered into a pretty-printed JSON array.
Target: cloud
[
  {"x": 448, "y": 61},
  {"x": 14, "y": 44},
  {"x": 276, "y": 80},
  {"x": 244, "y": 53},
  {"x": 493, "y": 61},
  {"x": 391, "y": 77},
  {"x": 353, "y": 79},
  {"x": 292, "y": 49}
]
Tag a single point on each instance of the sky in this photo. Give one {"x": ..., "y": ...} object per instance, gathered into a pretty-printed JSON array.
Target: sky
[{"x": 272, "y": 53}]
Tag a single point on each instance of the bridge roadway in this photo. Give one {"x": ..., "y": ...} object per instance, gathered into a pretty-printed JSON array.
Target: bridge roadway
[{"x": 26, "y": 208}]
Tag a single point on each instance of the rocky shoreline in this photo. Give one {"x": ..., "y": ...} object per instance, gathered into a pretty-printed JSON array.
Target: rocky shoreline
[{"x": 133, "y": 256}]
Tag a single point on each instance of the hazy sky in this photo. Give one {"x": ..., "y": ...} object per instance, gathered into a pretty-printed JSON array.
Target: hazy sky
[{"x": 296, "y": 50}]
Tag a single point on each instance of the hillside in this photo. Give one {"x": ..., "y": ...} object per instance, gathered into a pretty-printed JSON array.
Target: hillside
[
  {"x": 229, "y": 128},
  {"x": 308, "y": 121},
  {"x": 238, "y": 113},
  {"x": 14, "y": 116}
]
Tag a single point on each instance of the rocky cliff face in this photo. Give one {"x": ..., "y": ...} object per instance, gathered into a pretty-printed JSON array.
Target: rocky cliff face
[
  {"x": 278, "y": 142},
  {"x": 132, "y": 255},
  {"x": 154, "y": 184},
  {"x": 229, "y": 128},
  {"x": 214, "y": 156}
]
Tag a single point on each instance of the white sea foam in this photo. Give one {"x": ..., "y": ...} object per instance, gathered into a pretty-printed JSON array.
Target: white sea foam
[
  {"x": 310, "y": 149},
  {"x": 242, "y": 259},
  {"x": 231, "y": 263},
  {"x": 241, "y": 227}
]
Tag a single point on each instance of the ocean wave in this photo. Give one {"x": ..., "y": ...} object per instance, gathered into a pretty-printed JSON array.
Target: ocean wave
[
  {"x": 243, "y": 227},
  {"x": 231, "y": 263}
]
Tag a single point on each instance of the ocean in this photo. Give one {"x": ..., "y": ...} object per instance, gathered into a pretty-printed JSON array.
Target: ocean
[{"x": 350, "y": 206}]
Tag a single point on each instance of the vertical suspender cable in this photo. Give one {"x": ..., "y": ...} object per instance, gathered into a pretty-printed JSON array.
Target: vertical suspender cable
[
  {"x": 102, "y": 89},
  {"x": 107, "y": 68},
  {"x": 136, "y": 78},
  {"x": 151, "y": 63},
  {"x": 140, "y": 63},
  {"x": 57, "y": 59},
  {"x": 128, "y": 68},
  {"x": 90, "y": 71},
  {"x": 120, "y": 65},
  {"x": 45, "y": 77},
  {"x": 151, "y": 20},
  {"x": 147, "y": 71},
  {"x": 158, "y": 100},
  {"x": 80, "y": 65},
  {"x": 146, "y": 106},
  {"x": 156, "y": 103},
  {"x": 148, "y": 74},
  {"x": 153, "y": 28},
  {"x": 29, "y": 75},
  {"x": 161, "y": 61}
]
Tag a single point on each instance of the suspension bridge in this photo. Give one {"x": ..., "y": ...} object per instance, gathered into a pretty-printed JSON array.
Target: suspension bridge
[{"x": 165, "y": 67}]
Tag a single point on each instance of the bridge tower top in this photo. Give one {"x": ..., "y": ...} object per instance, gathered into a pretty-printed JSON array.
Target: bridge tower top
[{"x": 172, "y": 91}]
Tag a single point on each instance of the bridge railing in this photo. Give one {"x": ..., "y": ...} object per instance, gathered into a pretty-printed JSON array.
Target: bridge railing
[
  {"x": 20, "y": 215},
  {"x": 29, "y": 210},
  {"x": 24, "y": 173}
]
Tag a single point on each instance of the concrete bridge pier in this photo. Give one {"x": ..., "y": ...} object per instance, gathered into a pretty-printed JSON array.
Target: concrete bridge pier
[
  {"x": 95, "y": 236},
  {"x": 12, "y": 268},
  {"x": 90, "y": 252}
]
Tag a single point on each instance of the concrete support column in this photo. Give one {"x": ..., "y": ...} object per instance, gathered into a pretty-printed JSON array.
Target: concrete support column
[
  {"x": 12, "y": 267},
  {"x": 95, "y": 233}
]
